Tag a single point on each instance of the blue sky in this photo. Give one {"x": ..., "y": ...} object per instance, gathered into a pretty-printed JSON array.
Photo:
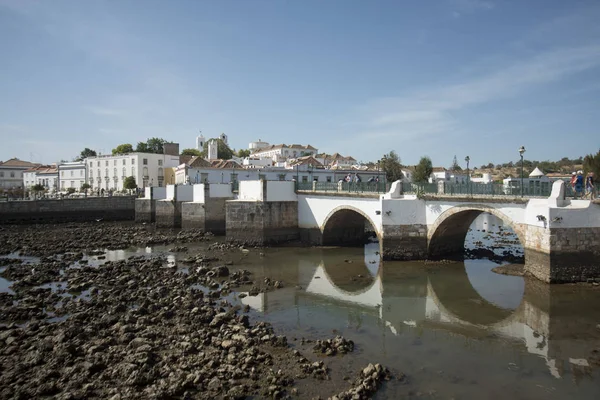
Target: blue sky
[{"x": 431, "y": 77}]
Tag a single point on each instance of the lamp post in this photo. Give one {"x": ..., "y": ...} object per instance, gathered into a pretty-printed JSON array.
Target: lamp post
[
  {"x": 467, "y": 159},
  {"x": 521, "y": 152}
]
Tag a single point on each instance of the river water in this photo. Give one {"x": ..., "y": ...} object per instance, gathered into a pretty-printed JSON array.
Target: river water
[{"x": 456, "y": 330}]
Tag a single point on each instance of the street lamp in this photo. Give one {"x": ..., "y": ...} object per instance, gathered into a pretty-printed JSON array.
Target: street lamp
[
  {"x": 467, "y": 159},
  {"x": 521, "y": 152}
]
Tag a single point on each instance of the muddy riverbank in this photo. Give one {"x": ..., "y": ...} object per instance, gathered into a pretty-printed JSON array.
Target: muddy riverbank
[{"x": 76, "y": 326}]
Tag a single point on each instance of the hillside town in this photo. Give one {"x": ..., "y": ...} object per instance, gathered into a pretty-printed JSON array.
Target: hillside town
[{"x": 105, "y": 174}]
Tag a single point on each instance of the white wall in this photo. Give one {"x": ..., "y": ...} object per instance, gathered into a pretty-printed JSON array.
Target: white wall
[
  {"x": 406, "y": 211},
  {"x": 198, "y": 193},
  {"x": 281, "y": 191},
  {"x": 217, "y": 190},
  {"x": 578, "y": 214},
  {"x": 251, "y": 190},
  {"x": 313, "y": 210},
  {"x": 170, "y": 194},
  {"x": 185, "y": 193}
]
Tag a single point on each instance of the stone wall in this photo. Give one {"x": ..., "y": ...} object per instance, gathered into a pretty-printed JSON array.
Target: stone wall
[
  {"x": 261, "y": 223},
  {"x": 208, "y": 216},
  {"x": 404, "y": 242},
  {"x": 144, "y": 210},
  {"x": 116, "y": 208},
  {"x": 168, "y": 214},
  {"x": 575, "y": 254}
]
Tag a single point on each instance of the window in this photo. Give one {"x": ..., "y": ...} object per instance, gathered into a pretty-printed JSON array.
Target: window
[
  {"x": 329, "y": 179},
  {"x": 132, "y": 161},
  {"x": 114, "y": 162},
  {"x": 115, "y": 172},
  {"x": 124, "y": 172},
  {"x": 72, "y": 173},
  {"x": 62, "y": 173},
  {"x": 282, "y": 177},
  {"x": 91, "y": 164},
  {"x": 161, "y": 173},
  {"x": 106, "y": 172},
  {"x": 12, "y": 174},
  {"x": 91, "y": 173},
  {"x": 72, "y": 184},
  {"x": 146, "y": 172},
  {"x": 160, "y": 162},
  {"x": 124, "y": 161},
  {"x": 98, "y": 164},
  {"x": 304, "y": 178},
  {"x": 106, "y": 163},
  {"x": 80, "y": 172},
  {"x": 145, "y": 161},
  {"x": 98, "y": 173},
  {"x": 2, "y": 174}
]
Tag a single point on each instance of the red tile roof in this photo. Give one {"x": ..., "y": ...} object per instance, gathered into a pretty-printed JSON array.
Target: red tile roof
[{"x": 15, "y": 162}]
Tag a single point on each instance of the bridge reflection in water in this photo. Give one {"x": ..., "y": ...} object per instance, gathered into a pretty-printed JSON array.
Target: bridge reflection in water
[{"x": 404, "y": 297}]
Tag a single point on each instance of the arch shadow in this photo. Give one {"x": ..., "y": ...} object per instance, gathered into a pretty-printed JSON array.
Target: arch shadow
[
  {"x": 446, "y": 237},
  {"x": 345, "y": 226}
]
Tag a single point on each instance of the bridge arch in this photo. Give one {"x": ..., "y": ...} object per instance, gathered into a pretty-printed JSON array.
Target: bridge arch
[
  {"x": 446, "y": 236},
  {"x": 345, "y": 226}
]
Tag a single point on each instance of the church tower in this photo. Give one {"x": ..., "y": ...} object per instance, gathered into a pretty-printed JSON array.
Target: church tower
[
  {"x": 212, "y": 150},
  {"x": 200, "y": 142},
  {"x": 223, "y": 137}
]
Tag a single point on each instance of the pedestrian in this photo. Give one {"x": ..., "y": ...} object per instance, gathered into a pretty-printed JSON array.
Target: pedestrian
[
  {"x": 579, "y": 185},
  {"x": 572, "y": 182},
  {"x": 590, "y": 189}
]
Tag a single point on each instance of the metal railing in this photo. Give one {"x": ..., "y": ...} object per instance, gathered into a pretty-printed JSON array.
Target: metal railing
[{"x": 350, "y": 187}]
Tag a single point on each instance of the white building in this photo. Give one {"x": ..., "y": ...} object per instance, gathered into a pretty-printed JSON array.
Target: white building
[
  {"x": 48, "y": 178},
  {"x": 72, "y": 175},
  {"x": 30, "y": 175},
  {"x": 485, "y": 178},
  {"x": 279, "y": 151},
  {"x": 109, "y": 172},
  {"x": 11, "y": 173},
  {"x": 536, "y": 183},
  {"x": 200, "y": 140},
  {"x": 253, "y": 146}
]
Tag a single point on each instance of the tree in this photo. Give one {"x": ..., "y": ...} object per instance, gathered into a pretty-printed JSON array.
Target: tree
[
  {"x": 455, "y": 167},
  {"x": 85, "y": 188},
  {"x": 390, "y": 165},
  {"x": 129, "y": 183},
  {"x": 591, "y": 163},
  {"x": 224, "y": 152},
  {"x": 152, "y": 145},
  {"x": 123, "y": 149},
  {"x": 85, "y": 153},
  {"x": 423, "y": 170},
  {"x": 191, "y": 152},
  {"x": 243, "y": 153},
  {"x": 38, "y": 187}
]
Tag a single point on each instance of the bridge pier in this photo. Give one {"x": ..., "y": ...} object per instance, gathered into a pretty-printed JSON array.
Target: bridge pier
[
  {"x": 404, "y": 242},
  {"x": 168, "y": 211},
  {"x": 266, "y": 212},
  {"x": 207, "y": 210},
  {"x": 145, "y": 209}
]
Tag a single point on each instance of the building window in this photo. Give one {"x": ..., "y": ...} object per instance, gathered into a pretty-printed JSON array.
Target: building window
[
  {"x": 72, "y": 184},
  {"x": 124, "y": 172},
  {"x": 160, "y": 162},
  {"x": 282, "y": 177},
  {"x": 145, "y": 172},
  {"x": 72, "y": 173},
  {"x": 1, "y": 174},
  {"x": 132, "y": 161},
  {"x": 98, "y": 164},
  {"x": 329, "y": 179},
  {"x": 106, "y": 163},
  {"x": 145, "y": 161},
  {"x": 99, "y": 174},
  {"x": 114, "y": 162},
  {"x": 304, "y": 179},
  {"x": 12, "y": 174},
  {"x": 124, "y": 161},
  {"x": 80, "y": 172},
  {"x": 62, "y": 173},
  {"x": 106, "y": 172},
  {"x": 91, "y": 164},
  {"x": 115, "y": 173},
  {"x": 161, "y": 173},
  {"x": 91, "y": 173}
]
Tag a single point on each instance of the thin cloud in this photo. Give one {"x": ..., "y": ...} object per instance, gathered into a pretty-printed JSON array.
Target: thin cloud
[
  {"x": 431, "y": 110},
  {"x": 104, "y": 111}
]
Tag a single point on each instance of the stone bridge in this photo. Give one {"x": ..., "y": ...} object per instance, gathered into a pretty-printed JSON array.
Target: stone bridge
[{"x": 561, "y": 237}]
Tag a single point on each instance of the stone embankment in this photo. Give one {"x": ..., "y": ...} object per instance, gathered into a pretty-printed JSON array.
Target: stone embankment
[{"x": 142, "y": 328}]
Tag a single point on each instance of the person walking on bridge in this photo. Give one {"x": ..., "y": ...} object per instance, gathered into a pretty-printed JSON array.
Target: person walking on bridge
[{"x": 590, "y": 189}]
